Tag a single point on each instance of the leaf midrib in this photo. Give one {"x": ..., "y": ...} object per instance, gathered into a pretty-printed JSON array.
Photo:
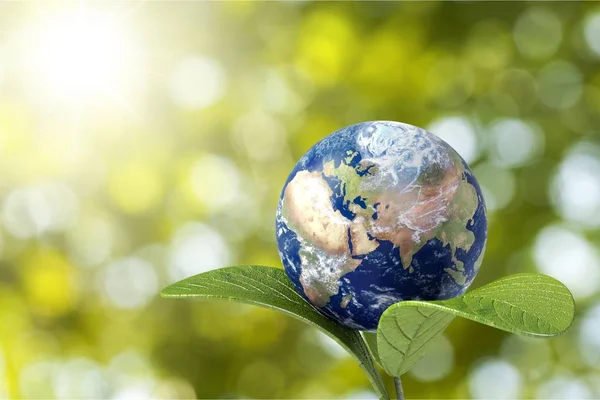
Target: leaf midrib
[{"x": 538, "y": 318}]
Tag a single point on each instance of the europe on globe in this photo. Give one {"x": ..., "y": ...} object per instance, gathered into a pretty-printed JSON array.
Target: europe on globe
[{"x": 376, "y": 213}]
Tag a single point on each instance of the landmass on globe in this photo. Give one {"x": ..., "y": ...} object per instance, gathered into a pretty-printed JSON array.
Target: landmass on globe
[{"x": 377, "y": 213}]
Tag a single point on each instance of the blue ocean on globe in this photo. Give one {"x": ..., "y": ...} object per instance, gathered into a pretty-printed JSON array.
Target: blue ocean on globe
[{"x": 377, "y": 213}]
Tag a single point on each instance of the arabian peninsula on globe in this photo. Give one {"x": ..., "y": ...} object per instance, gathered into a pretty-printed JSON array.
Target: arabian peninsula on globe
[{"x": 377, "y": 213}]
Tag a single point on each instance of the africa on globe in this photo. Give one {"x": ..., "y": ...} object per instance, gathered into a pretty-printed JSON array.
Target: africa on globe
[{"x": 377, "y": 213}]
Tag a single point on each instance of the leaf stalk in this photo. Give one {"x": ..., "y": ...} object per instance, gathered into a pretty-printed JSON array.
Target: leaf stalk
[{"x": 398, "y": 387}]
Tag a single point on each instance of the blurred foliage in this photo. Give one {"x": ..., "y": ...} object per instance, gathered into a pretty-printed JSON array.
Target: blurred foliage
[{"x": 132, "y": 163}]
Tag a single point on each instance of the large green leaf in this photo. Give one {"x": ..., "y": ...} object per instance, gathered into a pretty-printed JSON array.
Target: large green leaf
[
  {"x": 270, "y": 288},
  {"x": 371, "y": 341},
  {"x": 527, "y": 304}
]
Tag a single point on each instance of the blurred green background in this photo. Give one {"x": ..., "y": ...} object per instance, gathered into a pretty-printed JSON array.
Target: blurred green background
[{"x": 143, "y": 142}]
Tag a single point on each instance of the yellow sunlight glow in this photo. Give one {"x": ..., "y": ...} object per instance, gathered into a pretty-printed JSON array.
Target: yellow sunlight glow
[{"x": 81, "y": 55}]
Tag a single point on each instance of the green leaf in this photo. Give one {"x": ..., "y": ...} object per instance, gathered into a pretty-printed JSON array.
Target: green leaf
[
  {"x": 527, "y": 304},
  {"x": 371, "y": 341},
  {"x": 270, "y": 288},
  {"x": 404, "y": 331}
]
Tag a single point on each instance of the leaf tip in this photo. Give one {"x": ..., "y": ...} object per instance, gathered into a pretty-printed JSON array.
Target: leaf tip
[{"x": 167, "y": 292}]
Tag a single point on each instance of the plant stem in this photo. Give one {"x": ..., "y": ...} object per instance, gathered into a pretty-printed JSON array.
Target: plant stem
[{"x": 398, "y": 386}]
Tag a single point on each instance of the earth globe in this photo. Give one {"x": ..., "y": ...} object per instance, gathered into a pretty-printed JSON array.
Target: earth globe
[{"x": 376, "y": 213}]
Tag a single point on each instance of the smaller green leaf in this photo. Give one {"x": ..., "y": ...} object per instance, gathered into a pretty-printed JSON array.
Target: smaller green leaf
[
  {"x": 271, "y": 288},
  {"x": 527, "y": 304},
  {"x": 404, "y": 332}
]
